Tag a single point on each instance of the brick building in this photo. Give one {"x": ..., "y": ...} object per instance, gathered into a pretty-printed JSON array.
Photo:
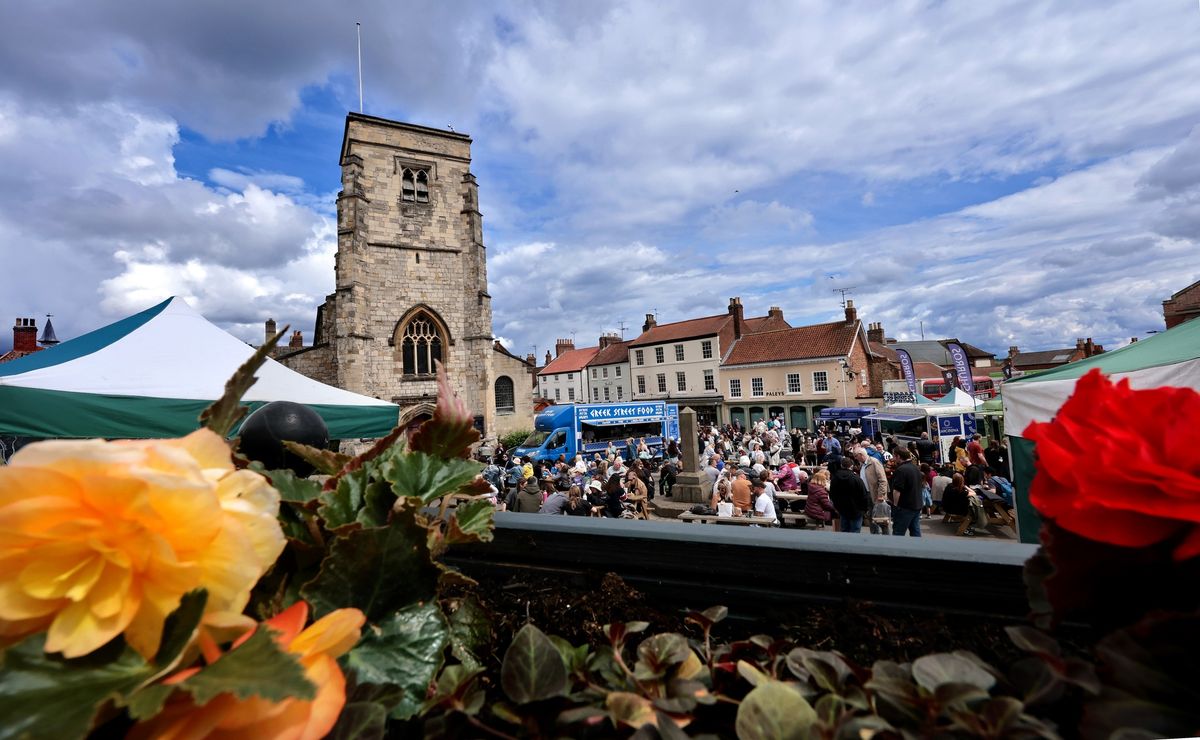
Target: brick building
[
  {"x": 798, "y": 371},
  {"x": 1182, "y": 306},
  {"x": 25, "y": 338}
]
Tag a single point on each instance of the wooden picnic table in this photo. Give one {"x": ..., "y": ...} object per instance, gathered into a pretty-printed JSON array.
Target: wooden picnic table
[{"x": 789, "y": 496}]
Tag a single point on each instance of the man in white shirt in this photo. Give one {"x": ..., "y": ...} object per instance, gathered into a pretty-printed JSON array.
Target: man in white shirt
[{"x": 763, "y": 507}]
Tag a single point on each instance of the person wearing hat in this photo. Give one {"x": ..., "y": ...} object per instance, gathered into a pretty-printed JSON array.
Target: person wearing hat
[
  {"x": 529, "y": 499},
  {"x": 595, "y": 496}
]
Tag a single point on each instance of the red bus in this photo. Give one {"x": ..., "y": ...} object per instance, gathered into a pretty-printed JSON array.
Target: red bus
[{"x": 935, "y": 388}]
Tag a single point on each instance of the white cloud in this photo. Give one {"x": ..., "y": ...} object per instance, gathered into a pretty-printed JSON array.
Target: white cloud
[{"x": 102, "y": 219}]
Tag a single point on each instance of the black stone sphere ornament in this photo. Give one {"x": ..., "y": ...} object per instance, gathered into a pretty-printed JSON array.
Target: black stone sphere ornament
[{"x": 265, "y": 430}]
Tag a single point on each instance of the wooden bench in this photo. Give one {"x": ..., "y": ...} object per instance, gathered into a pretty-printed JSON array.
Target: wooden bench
[
  {"x": 744, "y": 521},
  {"x": 800, "y": 520}
]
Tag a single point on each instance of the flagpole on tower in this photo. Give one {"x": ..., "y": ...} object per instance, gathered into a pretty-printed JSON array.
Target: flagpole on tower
[{"x": 358, "y": 30}]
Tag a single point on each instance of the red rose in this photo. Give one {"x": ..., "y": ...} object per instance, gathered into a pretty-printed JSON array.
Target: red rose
[{"x": 1122, "y": 466}]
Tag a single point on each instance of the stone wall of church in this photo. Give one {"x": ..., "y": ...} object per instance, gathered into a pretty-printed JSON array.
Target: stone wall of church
[
  {"x": 520, "y": 373},
  {"x": 316, "y": 362},
  {"x": 395, "y": 257}
]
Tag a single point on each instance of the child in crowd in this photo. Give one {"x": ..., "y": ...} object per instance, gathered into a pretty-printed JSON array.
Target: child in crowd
[{"x": 881, "y": 516}]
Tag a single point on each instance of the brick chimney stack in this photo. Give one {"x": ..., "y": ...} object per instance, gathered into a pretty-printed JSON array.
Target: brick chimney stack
[
  {"x": 735, "y": 310},
  {"x": 530, "y": 358},
  {"x": 607, "y": 340},
  {"x": 875, "y": 333},
  {"x": 1079, "y": 344},
  {"x": 1089, "y": 348},
  {"x": 270, "y": 329},
  {"x": 297, "y": 340},
  {"x": 549, "y": 358},
  {"x": 650, "y": 323},
  {"x": 563, "y": 345},
  {"x": 851, "y": 312},
  {"x": 775, "y": 312},
  {"x": 1013, "y": 351},
  {"x": 25, "y": 335}
]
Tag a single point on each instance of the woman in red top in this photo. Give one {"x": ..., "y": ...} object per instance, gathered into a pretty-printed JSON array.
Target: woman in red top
[{"x": 818, "y": 507}]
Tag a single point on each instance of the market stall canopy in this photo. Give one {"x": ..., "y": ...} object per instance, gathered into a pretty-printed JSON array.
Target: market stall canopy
[
  {"x": 894, "y": 413},
  {"x": 1170, "y": 358},
  {"x": 959, "y": 397},
  {"x": 151, "y": 374}
]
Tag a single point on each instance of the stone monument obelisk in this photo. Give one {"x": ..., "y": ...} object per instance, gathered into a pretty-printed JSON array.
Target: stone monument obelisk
[{"x": 691, "y": 486}]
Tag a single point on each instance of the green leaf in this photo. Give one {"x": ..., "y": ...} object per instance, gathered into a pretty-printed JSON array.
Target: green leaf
[
  {"x": 377, "y": 570},
  {"x": 774, "y": 711},
  {"x": 470, "y": 632},
  {"x": 751, "y": 673},
  {"x": 149, "y": 701},
  {"x": 224, "y": 414},
  {"x": 957, "y": 694},
  {"x": 403, "y": 650},
  {"x": 658, "y": 653},
  {"x": 427, "y": 477},
  {"x": 377, "y": 505},
  {"x": 472, "y": 522},
  {"x": 324, "y": 461},
  {"x": 451, "y": 431},
  {"x": 360, "y": 721},
  {"x": 46, "y": 696},
  {"x": 532, "y": 669},
  {"x": 257, "y": 667},
  {"x": 340, "y": 506},
  {"x": 629, "y": 709},
  {"x": 291, "y": 488},
  {"x": 931, "y": 671},
  {"x": 180, "y": 627}
]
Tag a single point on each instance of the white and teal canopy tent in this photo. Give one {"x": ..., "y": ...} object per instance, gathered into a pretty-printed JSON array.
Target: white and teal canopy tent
[
  {"x": 1171, "y": 358},
  {"x": 151, "y": 374}
]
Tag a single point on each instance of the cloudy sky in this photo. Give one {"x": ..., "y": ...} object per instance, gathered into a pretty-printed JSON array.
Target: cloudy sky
[{"x": 1004, "y": 172}]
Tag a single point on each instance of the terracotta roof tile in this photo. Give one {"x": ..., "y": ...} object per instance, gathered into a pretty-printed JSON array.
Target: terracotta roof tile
[
  {"x": 690, "y": 329},
  {"x": 571, "y": 361},
  {"x": 885, "y": 352},
  {"x": 612, "y": 354},
  {"x": 800, "y": 343},
  {"x": 927, "y": 370}
]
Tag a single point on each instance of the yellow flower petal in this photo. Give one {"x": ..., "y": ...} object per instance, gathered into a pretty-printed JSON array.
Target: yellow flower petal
[
  {"x": 333, "y": 634},
  {"x": 75, "y": 631}
]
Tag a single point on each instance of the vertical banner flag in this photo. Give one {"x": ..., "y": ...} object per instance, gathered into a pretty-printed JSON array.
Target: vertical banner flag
[
  {"x": 950, "y": 379},
  {"x": 906, "y": 367},
  {"x": 962, "y": 367}
]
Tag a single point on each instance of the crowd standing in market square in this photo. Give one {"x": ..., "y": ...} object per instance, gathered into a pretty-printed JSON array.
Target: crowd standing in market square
[{"x": 834, "y": 476}]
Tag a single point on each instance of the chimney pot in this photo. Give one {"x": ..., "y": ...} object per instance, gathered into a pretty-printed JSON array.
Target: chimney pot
[
  {"x": 851, "y": 312},
  {"x": 735, "y": 310},
  {"x": 25, "y": 335},
  {"x": 875, "y": 333}
]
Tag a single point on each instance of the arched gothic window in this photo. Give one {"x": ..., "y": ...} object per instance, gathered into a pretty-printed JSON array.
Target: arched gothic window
[
  {"x": 420, "y": 345},
  {"x": 414, "y": 185},
  {"x": 505, "y": 401}
]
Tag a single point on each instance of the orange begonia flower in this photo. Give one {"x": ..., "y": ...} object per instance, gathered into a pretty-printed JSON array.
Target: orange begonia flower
[
  {"x": 227, "y": 718},
  {"x": 99, "y": 539}
]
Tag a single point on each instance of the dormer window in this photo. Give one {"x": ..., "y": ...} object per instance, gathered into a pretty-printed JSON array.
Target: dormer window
[{"x": 414, "y": 185}]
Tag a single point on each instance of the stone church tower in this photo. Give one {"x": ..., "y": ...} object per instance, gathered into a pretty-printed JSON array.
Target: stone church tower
[{"x": 411, "y": 273}]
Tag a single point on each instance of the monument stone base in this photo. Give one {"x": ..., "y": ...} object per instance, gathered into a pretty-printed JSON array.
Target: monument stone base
[{"x": 691, "y": 488}]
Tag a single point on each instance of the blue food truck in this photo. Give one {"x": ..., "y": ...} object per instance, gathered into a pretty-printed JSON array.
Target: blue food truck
[{"x": 577, "y": 428}]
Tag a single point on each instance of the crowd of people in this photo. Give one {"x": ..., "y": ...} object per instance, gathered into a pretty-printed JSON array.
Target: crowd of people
[{"x": 846, "y": 479}]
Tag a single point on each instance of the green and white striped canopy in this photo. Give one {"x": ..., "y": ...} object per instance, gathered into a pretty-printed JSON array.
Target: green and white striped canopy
[{"x": 151, "y": 374}]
